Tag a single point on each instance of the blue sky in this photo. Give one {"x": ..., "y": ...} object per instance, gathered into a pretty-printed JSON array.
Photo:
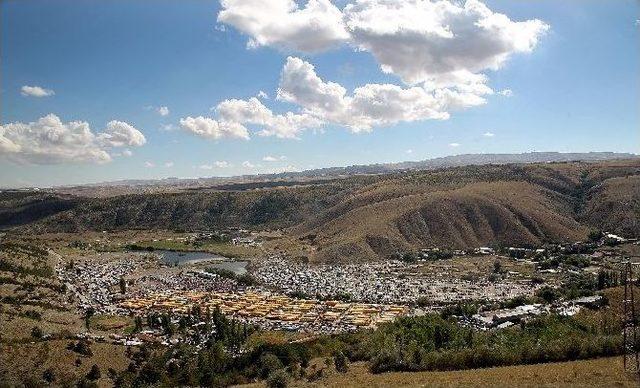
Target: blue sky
[{"x": 577, "y": 90}]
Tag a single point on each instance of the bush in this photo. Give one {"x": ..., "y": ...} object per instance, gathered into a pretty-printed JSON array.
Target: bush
[
  {"x": 340, "y": 361},
  {"x": 277, "y": 379},
  {"x": 94, "y": 373},
  {"x": 81, "y": 347},
  {"x": 36, "y": 332},
  {"x": 270, "y": 363},
  {"x": 49, "y": 376},
  {"x": 548, "y": 294}
]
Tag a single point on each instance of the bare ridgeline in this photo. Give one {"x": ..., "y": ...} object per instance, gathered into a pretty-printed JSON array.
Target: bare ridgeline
[{"x": 487, "y": 252}]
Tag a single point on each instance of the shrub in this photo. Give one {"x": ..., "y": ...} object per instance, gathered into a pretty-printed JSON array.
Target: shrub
[
  {"x": 36, "y": 332},
  {"x": 340, "y": 361},
  {"x": 270, "y": 363},
  {"x": 277, "y": 379},
  {"x": 94, "y": 373},
  {"x": 49, "y": 376}
]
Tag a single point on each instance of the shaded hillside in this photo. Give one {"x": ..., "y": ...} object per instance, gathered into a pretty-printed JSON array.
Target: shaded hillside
[{"x": 365, "y": 217}]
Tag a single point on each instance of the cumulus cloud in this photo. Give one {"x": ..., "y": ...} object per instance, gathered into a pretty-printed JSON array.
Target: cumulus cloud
[
  {"x": 162, "y": 110},
  {"x": 36, "y": 91},
  {"x": 212, "y": 129},
  {"x": 221, "y": 164},
  {"x": 149, "y": 164},
  {"x": 248, "y": 164},
  {"x": 119, "y": 134},
  {"x": 252, "y": 111},
  {"x": 168, "y": 164},
  {"x": 440, "y": 50},
  {"x": 281, "y": 23},
  {"x": 50, "y": 141},
  {"x": 454, "y": 145},
  {"x": 370, "y": 105},
  {"x": 127, "y": 152},
  {"x": 262, "y": 94},
  {"x": 506, "y": 92},
  {"x": 323, "y": 102},
  {"x": 439, "y": 43},
  {"x": 488, "y": 134}
]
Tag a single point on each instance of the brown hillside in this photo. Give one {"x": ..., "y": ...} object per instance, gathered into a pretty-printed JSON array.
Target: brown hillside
[{"x": 368, "y": 217}]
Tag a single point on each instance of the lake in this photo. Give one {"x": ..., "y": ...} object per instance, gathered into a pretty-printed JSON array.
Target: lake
[{"x": 170, "y": 257}]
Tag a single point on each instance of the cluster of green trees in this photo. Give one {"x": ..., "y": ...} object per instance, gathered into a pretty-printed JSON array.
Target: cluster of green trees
[
  {"x": 245, "y": 278},
  {"x": 433, "y": 343},
  {"x": 579, "y": 285},
  {"x": 430, "y": 342}
]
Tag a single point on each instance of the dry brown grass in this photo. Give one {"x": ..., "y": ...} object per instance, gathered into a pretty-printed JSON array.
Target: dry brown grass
[
  {"x": 603, "y": 372},
  {"x": 30, "y": 360}
]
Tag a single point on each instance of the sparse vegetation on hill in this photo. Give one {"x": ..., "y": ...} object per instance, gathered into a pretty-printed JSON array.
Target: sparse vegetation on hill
[{"x": 368, "y": 217}]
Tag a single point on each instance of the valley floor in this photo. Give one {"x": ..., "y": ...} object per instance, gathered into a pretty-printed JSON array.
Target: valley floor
[{"x": 601, "y": 372}]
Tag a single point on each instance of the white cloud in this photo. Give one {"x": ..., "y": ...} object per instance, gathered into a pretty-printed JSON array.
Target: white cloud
[
  {"x": 167, "y": 127},
  {"x": 279, "y": 170},
  {"x": 149, "y": 164},
  {"x": 119, "y": 134},
  {"x": 506, "y": 92},
  {"x": 281, "y": 23},
  {"x": 248, "y": 164},
  {"x": 323, "y": 102},
  {"x": 440, "y": 49},
  {"x": 50, "y": 141},
  {"x": 270, "y": 158},
  {"x": 36, "y": 91},
  {"x": 488, "y": 134},
  {"x": 168, "y": 164},
  {"x": 252, "y": 111},
  {"x": 216, "y": 164},
  {"x": 408, "y": 151},
  {"x": 162, "y": 110},
  {"x": 370, "y": 105},
  {"x": 441, "y": 43},
  {"x": 127, "y": 152},
  {"x": 262, "y": 94},
  {"x": 454, "y": 145},
  {"x": 210, "y": 128}
]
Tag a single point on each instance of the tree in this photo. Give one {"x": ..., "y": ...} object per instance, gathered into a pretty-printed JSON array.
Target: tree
[
  {"x": 90, "y": 312},
  {"x": 595, "y": 235},
  {"x": 340, "y": 361},
  {"x": 277, "y": 379},
  {"x": 123, "y": 286},
  {"x": 36, "y": 332},
  {"x": 138, "y": 324},
  {"x": 270, "y": 363},
  {"x": 548, "y": 294},
  {"x": 49, "y": 376},
  {"x": 94, "y": 373},
  {"x": 497, "y": 267}
]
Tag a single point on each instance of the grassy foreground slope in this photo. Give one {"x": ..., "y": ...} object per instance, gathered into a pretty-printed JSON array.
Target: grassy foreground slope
[
  {"x": 602, "y": 372},
  {"x": 367, "y": 217}
]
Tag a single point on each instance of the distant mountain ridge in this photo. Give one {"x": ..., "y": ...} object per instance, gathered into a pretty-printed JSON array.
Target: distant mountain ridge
[{"x": 380, "y": 168}]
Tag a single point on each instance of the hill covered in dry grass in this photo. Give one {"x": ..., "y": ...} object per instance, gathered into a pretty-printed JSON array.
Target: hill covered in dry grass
[{"x": 370, "y": 216}]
